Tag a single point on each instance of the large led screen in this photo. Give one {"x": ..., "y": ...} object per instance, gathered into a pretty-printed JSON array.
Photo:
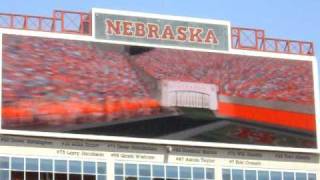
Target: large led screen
[{"x": 81, "y": 87}]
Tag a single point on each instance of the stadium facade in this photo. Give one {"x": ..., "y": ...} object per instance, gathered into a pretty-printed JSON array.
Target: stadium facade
[{"x": 126, "y": 95}]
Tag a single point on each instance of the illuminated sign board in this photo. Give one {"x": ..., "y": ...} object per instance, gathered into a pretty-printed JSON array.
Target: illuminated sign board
[{"x": 161, "y": 31}]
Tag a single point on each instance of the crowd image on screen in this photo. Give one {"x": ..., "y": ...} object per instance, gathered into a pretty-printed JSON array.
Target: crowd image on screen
[
  {"x": 57, "y": 82},
  {"x": 269, "y": 79}
]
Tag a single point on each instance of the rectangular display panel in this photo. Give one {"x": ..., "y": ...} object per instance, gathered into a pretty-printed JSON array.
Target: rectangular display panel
[
  {"x": 81, "y": 87},
  {"x": 155, "y": 31}
]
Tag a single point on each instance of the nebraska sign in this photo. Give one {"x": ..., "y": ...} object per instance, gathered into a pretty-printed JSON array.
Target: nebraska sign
[{"x": 167, "y": 32}]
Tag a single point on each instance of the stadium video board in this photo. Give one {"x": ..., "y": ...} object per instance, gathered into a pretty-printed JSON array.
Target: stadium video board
[{"x": 98, "y": 88}]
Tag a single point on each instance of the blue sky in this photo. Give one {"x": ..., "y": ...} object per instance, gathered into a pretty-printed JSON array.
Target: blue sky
[{"x": 287, "y": 19}]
